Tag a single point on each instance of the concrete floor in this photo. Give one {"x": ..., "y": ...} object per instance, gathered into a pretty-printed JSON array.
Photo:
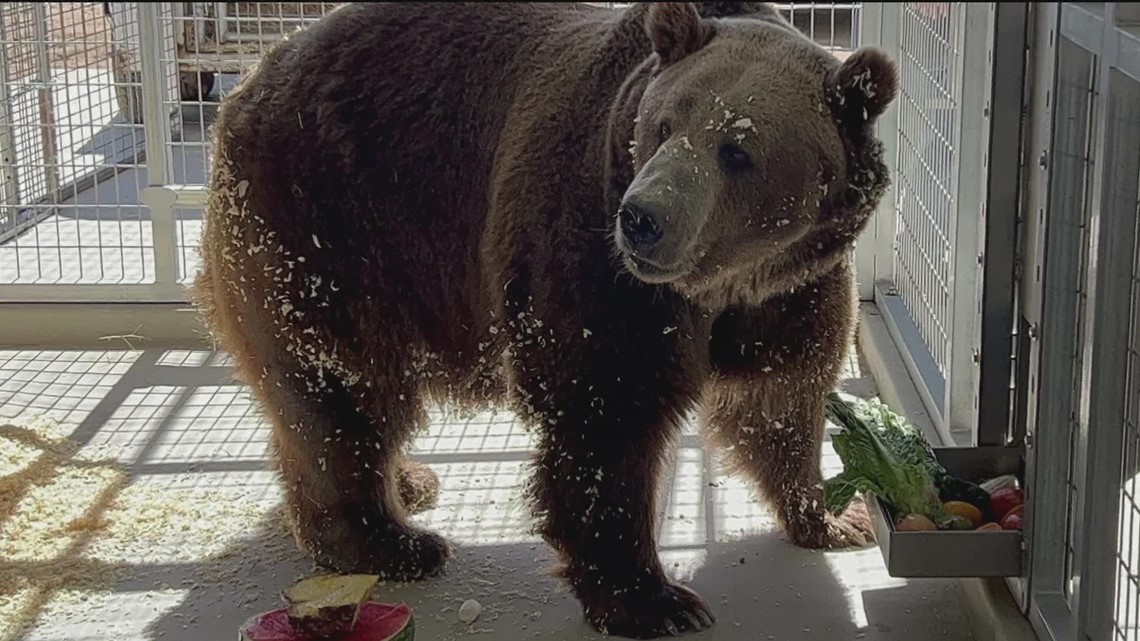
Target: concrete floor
[{"x": 136, "y": 503}]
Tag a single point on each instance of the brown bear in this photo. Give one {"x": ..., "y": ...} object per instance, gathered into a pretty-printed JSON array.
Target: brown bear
[{"x": 603, "y": 219}]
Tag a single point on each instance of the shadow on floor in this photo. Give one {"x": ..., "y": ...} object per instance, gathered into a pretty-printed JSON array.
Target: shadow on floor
[{"x": 779, "y": 592}]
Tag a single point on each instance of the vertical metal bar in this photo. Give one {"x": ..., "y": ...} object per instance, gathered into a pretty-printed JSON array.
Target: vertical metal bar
[
  {"x": 156, "y": 114},
  {"x": 221, "y": 15},
  {"x": 8, "y": 162},
  {"x": 1054, "y": 241},
  {"x": 1116, "y": 185},
  {"x": 1001, "y": 169},
  {"x": 958, "y": 401},
  {"x": 865, "y": 246},
  {"x": 171, "y": 25},
  {"x": 46, "y": 102},
  {"x": 890, "y": 21},
  {"x": 156, "y": 125}
]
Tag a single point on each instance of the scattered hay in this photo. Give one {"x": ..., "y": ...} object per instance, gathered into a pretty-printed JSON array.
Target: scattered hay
[{"x": 72, "y": 526}]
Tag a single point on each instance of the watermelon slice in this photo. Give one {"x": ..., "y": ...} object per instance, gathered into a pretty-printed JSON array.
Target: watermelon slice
[{"x": 375, "y": 622}]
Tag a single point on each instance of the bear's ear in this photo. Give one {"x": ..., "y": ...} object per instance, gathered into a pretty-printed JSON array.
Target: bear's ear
[
  {"x": 675, "y": 29},
  {"x": 861, "y": 88}
]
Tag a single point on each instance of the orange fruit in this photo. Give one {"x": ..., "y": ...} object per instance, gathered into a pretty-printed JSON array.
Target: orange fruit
[{"x": 964, "y": 509}]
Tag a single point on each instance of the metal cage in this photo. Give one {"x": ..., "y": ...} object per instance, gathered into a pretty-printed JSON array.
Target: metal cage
[
  {"x": 1005, "y": 258},
  {"x": 1081, "y": 289},
  {"x": 1006, "y": 261},
  {"x": 104, "y": 129}
]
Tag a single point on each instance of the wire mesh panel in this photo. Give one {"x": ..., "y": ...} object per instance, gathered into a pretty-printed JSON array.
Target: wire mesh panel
[
  {"x": 74, "y": 127},
  {"x": 1123, "y": 195},
  {"x": 1083, "y": 203},
  {"x": 71, "y": 172},
  {"x": 188, "y": 229},
  {"x": 1057, "y": 301},
  {"x": 1072, "y": 172},
  {"x": 924, "y": 176},
  {"x": 218, "y": 42},
  {"x": 834, "y": 25}
]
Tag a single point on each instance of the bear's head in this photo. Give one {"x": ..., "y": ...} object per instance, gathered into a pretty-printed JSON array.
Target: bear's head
[{"x": 753, "y": 164}]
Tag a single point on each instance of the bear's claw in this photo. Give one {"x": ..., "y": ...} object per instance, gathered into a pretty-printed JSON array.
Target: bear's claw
[{"x": 664, "y": 609}]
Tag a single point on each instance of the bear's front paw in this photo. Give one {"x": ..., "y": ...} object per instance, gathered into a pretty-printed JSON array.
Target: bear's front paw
[
  {"x": 410, "y": 554},
  {"x": 395, "y": 553},
  {"x": 821, "y": 530},
  {"x": 657, "y": 610}
]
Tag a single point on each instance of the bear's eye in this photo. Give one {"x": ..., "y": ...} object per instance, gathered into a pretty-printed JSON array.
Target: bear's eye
[
  {"x": 664, "y": 132},
  {"x": 734, "y": 158}
]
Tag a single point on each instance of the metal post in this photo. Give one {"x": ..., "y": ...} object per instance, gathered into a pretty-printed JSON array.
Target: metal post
[
  {"x": 959, "y": 416},
  {"x": 1052, "y": 245},
  {"x": 157, "y": 124},
  {"x": 1001, "y": 176},
  {"x": 46, "y": 103},
  {"x": 156, "y": 114},
  {"x": 9, "y": 173},
  {"x": 890, "y": 21},
  {"x": 870, "y": 19}
]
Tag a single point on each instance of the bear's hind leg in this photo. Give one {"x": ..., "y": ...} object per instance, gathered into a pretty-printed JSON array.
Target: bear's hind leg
[
  {"x": 419, "y": 486},
  {"x": 344, "y": 478}
]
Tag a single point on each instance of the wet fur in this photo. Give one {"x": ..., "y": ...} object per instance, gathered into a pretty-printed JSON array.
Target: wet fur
[{"x": 388, "y": 228}]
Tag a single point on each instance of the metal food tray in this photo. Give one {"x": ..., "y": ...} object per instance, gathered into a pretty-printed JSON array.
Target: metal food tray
[{"x": 954, "y": 553}]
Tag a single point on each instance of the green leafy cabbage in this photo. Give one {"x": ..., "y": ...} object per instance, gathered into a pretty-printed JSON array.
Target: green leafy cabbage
[{"x": 882, "y": 454}]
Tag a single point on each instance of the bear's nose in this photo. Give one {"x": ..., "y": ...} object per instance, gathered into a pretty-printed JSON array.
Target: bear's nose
[{"x": 639, "y": 227}]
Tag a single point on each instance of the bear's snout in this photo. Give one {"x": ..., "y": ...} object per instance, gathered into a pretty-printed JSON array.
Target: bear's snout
[{"x": 640, "y": 228}]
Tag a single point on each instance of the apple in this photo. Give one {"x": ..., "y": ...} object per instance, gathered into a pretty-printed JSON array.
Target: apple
[
  {"x": 1003, "y": 501},
  {"x": 1012, "y": 521},
  {"x": 915, "y": 523}
]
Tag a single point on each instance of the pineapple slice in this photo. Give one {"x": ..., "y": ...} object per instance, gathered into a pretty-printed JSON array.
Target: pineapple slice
[{"x": 327, "y": 605}]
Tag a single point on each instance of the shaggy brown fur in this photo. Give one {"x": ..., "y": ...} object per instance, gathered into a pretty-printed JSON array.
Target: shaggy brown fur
[{"x": 602, "y": 218}]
